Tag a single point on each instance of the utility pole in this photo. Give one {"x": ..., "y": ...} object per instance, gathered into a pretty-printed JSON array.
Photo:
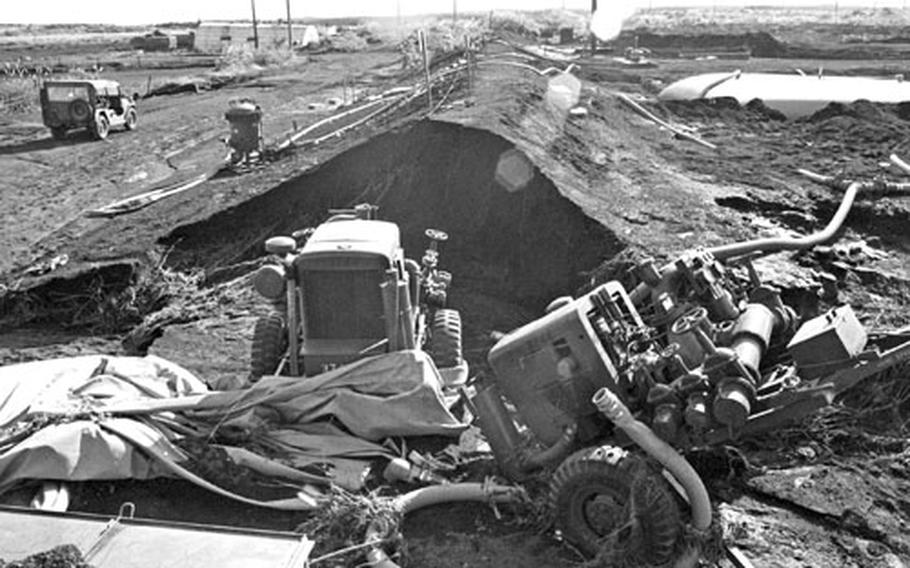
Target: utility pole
[
  {"x": 593, "y": 37},
  {"x": 290, "y": 36},
  {"x": 454, "y": 12},
  {"x": 255, "y": 26},
  {"x": 398, "y": 12}
]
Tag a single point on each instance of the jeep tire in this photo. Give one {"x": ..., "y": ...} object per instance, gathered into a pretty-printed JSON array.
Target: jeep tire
[
  {"x": 80, "y": 111},
  {"x": 129, "y": 121},
  {"x": 446, "y": 338},
  {"x": 101, "y": 127},
  {"x": 270, "y": 341}
]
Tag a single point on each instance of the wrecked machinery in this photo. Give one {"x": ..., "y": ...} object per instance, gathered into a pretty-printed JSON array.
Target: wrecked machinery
[
  {"x": 698, "y": 353},
  {"x": 345, "y": 290}
]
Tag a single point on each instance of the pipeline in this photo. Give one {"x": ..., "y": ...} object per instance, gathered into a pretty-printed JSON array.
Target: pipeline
[
  {"x": 609, "y": 404},
  {"x": 426, "y": 496}
]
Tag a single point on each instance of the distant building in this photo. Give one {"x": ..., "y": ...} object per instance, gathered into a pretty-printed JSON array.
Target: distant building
[
  {"x": 163, "y": 41},
  {"x": 212, "y": 37},
  {"x": 155, "y": 41}
]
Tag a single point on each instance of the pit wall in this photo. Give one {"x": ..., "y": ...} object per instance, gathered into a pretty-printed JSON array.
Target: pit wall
[{"x": 524, "y": 241}]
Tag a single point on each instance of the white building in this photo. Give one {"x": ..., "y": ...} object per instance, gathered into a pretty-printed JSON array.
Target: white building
[{"x": 213, "y": 37}]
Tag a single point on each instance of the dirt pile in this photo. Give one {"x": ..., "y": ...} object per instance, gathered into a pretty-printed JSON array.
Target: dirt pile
[{"x": 759, "y": 44}]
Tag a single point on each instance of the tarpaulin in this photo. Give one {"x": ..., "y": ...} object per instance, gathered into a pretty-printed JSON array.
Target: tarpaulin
[
  {"x": 59, "y": 405},
  {"x": 88, "y": 417},
  {"x": 396, "y": 394}
]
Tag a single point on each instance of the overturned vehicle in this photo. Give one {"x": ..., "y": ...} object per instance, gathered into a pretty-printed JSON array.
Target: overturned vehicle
[{"x": 613, "y": 385}]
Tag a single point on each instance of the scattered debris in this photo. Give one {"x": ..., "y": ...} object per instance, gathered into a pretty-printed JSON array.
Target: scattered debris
[{"x": 677, "y": 131}]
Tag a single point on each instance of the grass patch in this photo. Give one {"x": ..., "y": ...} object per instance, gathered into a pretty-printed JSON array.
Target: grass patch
[{"x": 18, "y": 95}]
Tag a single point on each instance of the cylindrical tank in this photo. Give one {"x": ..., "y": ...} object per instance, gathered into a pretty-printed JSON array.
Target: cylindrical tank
[{"x": 245, "y": 118}]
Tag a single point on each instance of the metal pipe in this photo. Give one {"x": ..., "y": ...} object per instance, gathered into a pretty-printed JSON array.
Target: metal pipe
[
  {"x": 405, "y": 316},
  {"x": 293, "y": 321},
  {"x": 499, "y": 429},
  {"x": 390, "y": 309},
  {"x": 609, "y": 404}
]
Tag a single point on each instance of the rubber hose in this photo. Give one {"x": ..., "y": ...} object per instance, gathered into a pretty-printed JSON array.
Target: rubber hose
[
  {"x": 765, "y": 246},
  {"x": 434, "y": 495},
  {"x": 614, "y": 409},
  {"x": 559, "y": 450},
  {"x": 770, "y": 245}
]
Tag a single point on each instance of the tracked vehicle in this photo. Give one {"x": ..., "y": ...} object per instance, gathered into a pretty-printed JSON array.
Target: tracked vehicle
[{"x": 614, "y": 384}]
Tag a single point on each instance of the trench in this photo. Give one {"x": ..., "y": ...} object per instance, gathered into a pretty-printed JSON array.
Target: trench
[{"x": 514, "y": 248}]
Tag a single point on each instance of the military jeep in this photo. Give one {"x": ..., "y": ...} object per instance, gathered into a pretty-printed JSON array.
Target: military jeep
[
  {"x": 344, "y": 291},
  {"x": 96, "y": 105}
]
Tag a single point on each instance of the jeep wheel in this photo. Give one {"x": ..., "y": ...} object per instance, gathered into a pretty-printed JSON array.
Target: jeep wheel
[
  {"x": 101, "y": 127},
  {"x": 80, "y": 111},
  {"x": 613, "y": 505},
  {"x": 270, "y": 341},
  {"x": 59, "y": 133},
  {"x": 446, "y": 338},
  {"x": 130, "y": 119}
]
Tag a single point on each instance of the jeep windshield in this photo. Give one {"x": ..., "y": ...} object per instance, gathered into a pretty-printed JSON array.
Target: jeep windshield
[{"x": 66, "y": 93}]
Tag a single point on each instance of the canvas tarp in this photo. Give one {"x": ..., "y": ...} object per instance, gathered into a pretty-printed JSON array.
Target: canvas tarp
[{"x": 64, "y": 419}]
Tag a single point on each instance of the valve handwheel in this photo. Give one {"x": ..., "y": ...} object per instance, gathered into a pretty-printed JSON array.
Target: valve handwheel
[
  {"x": 436, "y": 235},
  {"x": 689, "y": 321}
]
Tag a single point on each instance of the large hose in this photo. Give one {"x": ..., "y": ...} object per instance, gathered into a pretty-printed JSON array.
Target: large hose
[
  {"x": 770, "y": 245},
  {"x": 618, "y": 413},
  {"x": 434, "y": 495}
]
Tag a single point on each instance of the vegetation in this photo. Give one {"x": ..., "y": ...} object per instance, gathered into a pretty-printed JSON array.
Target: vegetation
[
  {"x": 239, "y": 60},
  {"x": 18, "y": 95}
]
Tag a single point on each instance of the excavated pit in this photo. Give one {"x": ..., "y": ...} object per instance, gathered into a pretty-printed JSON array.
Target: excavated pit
[{"x": 521, "y": 245}]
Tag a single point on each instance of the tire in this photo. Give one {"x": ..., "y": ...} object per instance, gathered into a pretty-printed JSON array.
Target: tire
[
  {"x": 270, "y": 341},
  {"x": 80, "y": 111},
  {"x": 130, "y": 119},
  {"x": 101, "y": 128},
  {"x": 592, "y": 497},
  {"x": 445, "y": 344},
  {"x": 58, "y": 133}
]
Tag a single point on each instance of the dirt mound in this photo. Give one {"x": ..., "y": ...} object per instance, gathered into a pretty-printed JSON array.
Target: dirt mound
[
  {"x": 724, "y": 108},
  {"x": 759, "y": 44},
  {"x": 863, "y": 111}
]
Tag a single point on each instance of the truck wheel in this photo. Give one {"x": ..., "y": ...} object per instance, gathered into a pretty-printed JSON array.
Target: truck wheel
[
  {"x": 129, "y": 122},
  {"x": 270, "y": 341},
  {"x": 59, "y": 133},
  {"x": 613, "y": 505},
  {"x": 101, "y": 127},
  {"x": 446, "y": 338}
]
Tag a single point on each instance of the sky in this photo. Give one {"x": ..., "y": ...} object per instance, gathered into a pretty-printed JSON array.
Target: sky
[{"x": 160, "y": 11}]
